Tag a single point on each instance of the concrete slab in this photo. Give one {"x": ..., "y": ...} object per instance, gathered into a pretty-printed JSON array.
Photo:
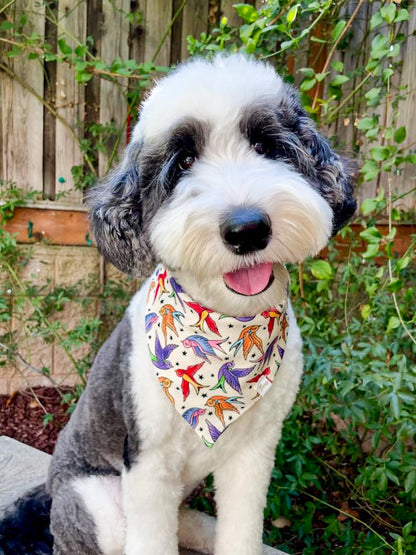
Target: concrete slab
[{"x": 23, "y": 467}]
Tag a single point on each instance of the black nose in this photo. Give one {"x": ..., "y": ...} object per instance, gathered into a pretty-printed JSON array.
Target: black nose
[{"x": 246, "y": 230}]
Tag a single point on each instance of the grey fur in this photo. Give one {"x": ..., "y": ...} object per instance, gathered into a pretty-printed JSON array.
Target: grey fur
[
  {"x": 123, "y": 205},
  {"x": 289, "y": 134},
  {"x": 72, "y": 526},
  {"x": 92, "y": 442}
]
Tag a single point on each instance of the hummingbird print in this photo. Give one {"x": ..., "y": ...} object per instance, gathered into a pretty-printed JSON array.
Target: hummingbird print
[
  {"x": 192, "y": 416},
  {"x": 169, "y": 314},
  {"x": 165, "y": 383},
  {"x": 273, "y": 315},
  {"x": 204, "y": 317},
  {"x": 149, "y": 320},
  {"x": 201, "y": 346},
  {"x": 176, "y": 291},
  {"x": 230, "y": 375},
  {"x": 248, "y": 339},
  {"x": 188, "y": 378},
  {"x": 221, "y": 403},
  {"x": 160, "y": 287},
  {"x": 160, "y": 358}
]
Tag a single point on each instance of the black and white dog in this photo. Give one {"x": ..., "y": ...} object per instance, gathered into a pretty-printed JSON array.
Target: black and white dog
[{"x": 226, "y": 179}]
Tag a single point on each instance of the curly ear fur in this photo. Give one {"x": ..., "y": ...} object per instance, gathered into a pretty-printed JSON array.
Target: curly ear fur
[
  {"x": 117, "y": 218},
  {"x": 324, "y": 168}
]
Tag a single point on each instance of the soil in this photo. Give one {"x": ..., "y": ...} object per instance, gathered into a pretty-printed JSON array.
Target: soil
[{"x": 22, "y": 414}]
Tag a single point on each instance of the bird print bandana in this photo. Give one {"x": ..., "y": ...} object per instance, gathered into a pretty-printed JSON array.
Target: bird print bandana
[{"x": 212, "y": 367}]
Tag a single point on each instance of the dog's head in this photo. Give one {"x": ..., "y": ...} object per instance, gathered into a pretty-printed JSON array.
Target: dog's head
[{"x": 225, "y": 171}]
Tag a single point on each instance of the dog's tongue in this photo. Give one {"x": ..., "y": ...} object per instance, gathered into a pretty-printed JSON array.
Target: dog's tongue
[{"x": 249, "y": 281}]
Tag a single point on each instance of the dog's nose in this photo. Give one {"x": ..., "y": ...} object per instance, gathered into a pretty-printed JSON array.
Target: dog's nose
[{"x": 246, "y": 230}]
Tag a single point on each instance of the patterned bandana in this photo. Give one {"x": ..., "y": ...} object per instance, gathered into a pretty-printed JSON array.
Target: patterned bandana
[{"x": 212, "y": 367}]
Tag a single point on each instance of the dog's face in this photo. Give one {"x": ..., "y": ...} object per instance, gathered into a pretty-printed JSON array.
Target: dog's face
[{"x": 225, "y": 177}]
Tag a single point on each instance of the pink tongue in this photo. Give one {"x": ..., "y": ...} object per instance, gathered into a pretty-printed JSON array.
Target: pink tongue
[{"x": 249, "y": 281}]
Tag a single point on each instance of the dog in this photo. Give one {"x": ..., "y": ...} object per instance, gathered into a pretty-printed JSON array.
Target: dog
[{"x": 225, "y": 180}]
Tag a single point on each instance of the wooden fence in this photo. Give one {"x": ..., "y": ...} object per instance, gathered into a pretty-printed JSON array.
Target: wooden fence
[{"x": 43, "y": 108}]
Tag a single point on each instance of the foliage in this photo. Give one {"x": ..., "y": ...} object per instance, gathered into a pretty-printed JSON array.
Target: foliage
[{"x": 345, "y": 473}]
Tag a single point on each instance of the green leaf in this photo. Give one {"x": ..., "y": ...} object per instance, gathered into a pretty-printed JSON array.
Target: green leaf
[
  {"x": 375, "y": 20},
  {"x": 370, "y": 170},
  {"x": 321, "y": 269},
  {"x": 292, "y": 13},
  {"x": 380, "y": 153},
  {"x": 372, "y": 251},
  {"x": 339, "y": 80},
  {"x": 388, "y": 12},
  {"x": 373, "y": 93},
  {"x": 6, "y": 25},
  {"x": 307, "y": 84},
  {"x": 64, "y": 48},
  {"x": 339, "y": 27},
  {"x": 48, "y": 417},
  {"x": 338, "y": 66},
  {"x": 307, "y": 71},
  {"x": 371, "y": 235},
  {"x": 410, "y": 482},
  {"x": 402, "y": 15},
  {"x": 400, "y": 134},
  {"x": 365, "y": 311},
  {"x": 395, "y": 285},
  {"x": 394, "y": 403},
  {"x": 366, "y": 123},
  {"x": 402, "y": 263},
  {"x": 393, "y": 324},
  {"x": 247, "y": 12}
]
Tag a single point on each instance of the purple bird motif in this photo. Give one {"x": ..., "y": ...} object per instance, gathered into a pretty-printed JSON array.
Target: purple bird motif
[
  {"x": 266, "y": 356},
  {"x": 149, "y": 320},
  {"x": 192, "y": 416},
  {"x": 215, "y": 434},
  {"x": 160, "y": 358},
  {"x": 202, "y": 346},
  {"x": 176, "y": 290},
  {"x": 231, "y": 375},
  {"x": 239, "y": 318}
]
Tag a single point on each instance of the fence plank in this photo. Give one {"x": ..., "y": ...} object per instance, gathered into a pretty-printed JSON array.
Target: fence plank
[
  {"x": 194, "y": 22},
  {"x": 158, "y": 17},
  {"x": 114, "y": 44},
  {"x": 69, "y": 102},
  {"x": 407, "y": 113},
  {"x": 21, "y": 124}
]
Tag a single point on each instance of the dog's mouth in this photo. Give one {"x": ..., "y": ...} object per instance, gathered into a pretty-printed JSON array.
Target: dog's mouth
[{"x": 251, "y": 280}]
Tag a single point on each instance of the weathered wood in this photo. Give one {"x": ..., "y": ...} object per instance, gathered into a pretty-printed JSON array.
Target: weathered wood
[
  {"x": 407, "y": 113},
  {"x": 70, "y": 103},
  {"x": 158, "y": 18},
  {"x": 22, "y": 112},
  {"x": 194, "y": 22},
  {"x": 59, "y": 227},
  {"x": 113, "y": 105},
  {"x": 49, "y": 120}
]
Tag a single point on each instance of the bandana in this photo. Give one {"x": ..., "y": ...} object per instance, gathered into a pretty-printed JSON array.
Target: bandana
[{"x": 210, "y": 366}]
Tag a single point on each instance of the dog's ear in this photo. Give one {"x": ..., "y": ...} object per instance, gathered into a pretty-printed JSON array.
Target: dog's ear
[
  {"x": 117, "y": 218},
  {"x": 332, "y": 175}
]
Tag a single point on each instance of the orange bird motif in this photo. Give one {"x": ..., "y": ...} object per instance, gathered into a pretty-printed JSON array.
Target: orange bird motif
[
  {"x": 188, "y": 378},
  {"x": 220, "y": 403},
  {"x": 248, "y": 339},
  {"x": 284, "y": 325},
  {"x": 165, "y": 384},
  {"x": 168, "y": 314},
  {"x": 272, "y": 314},
  {"x": 204, "y": 317},
  {"x": 160, "y": 287}
]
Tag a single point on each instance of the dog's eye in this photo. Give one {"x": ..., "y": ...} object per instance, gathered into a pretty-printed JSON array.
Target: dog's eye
[
  {"x": 259, "y": 148},
  {"x": 186, "y": 162}
]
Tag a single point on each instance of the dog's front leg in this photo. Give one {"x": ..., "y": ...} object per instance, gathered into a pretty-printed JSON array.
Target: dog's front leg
[
  {"x": 152, "y": 493},
  {"x": 241, "y": 490}
]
